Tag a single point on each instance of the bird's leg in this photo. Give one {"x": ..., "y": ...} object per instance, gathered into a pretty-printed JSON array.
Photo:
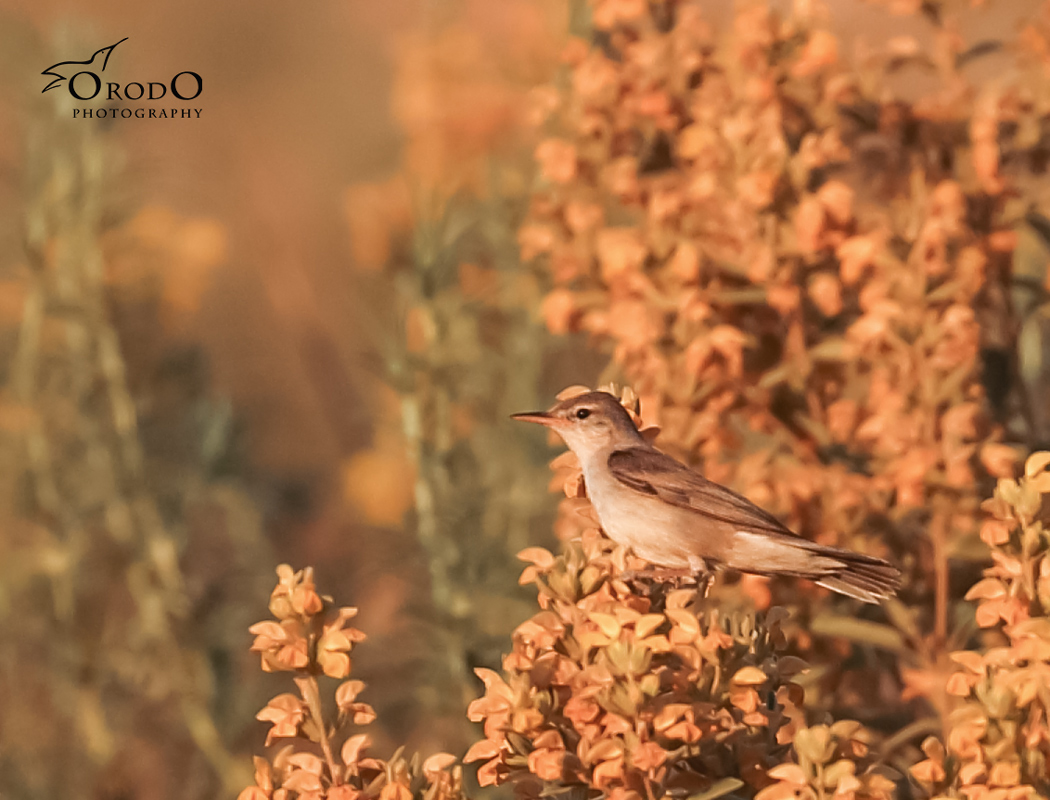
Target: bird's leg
[
  {"x": 708, "y": 580},
  {"x": 655, "y": 574},
  {"x": 703, "y": 575},
  {"x": 697, "y": 573}
]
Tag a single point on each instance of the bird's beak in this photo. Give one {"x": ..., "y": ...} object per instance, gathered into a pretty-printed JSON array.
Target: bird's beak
[{"x": 539, "y": 417}]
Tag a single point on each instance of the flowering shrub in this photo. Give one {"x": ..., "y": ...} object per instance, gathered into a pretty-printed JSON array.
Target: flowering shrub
[
  {"x": 794, "y": 265},
  {"x": 310, "y": 638},
  {"x": 460, "y": 345},
  {"x": 115, "y": 551},
  {"x": 641, "y": 695},
  {"x": 802, "y": 265},
  {"x": 998, "y": 741},
  {"x": 639, "y": 689}
]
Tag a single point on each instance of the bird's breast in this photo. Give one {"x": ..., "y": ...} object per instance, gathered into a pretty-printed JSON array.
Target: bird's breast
[{"x": 653, "y": 529}]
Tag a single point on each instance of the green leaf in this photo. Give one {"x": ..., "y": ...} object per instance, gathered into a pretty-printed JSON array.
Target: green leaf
[
  {"x": 718, "y": 789},
  {"x": 860, "y": 631},
  {"x": 982, "y": 48},
  {"x": 831, "y": 349},
  {"x": 776, "y": 376},
  {"x": 729, "y": 297},
  {"x": 814, "y": 428},
  {"x": 901, "y": 617}
]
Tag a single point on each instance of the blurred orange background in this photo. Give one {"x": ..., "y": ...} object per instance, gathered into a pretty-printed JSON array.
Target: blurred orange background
[{"x": 319, "y": 123}]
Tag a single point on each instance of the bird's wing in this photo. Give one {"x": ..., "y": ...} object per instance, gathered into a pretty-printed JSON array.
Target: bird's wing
[{"x": 651, "y": 472}]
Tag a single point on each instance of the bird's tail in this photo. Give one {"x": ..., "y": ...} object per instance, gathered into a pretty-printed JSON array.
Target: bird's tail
[{"x": 862, "y": 577}]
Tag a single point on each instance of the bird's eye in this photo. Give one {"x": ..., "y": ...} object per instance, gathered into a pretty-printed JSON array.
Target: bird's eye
[{"x": 583, "y": 413}]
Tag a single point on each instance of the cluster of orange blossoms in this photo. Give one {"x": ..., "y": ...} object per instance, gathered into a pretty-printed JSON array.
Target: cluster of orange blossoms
[
  {"x": 796, "y": 270},
  {"x": 998, "y": 743},
  {"x": 644, "y": 694},
  {"x": 800, "y": 267},
  {"x": 639, "y": 689},
  {"x": 311, "y": 639}
]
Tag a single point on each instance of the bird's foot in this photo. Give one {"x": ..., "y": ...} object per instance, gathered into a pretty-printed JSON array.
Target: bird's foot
[
  {"x": 679, "y": 578},
  {"x": 705, "y": 581},
  {"x": 663, "y": 574},
  {"x": 702, "y": 574}
]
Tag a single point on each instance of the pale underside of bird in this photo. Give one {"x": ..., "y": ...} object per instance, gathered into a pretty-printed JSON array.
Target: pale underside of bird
[{"x": 675, "y": 518}]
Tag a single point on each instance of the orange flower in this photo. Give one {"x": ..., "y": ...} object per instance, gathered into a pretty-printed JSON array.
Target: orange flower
[
  {"x": 995, "y": 532},
  {"x": 621, "y": 178},
  {"x": 999, "y": 459},
  {"x": 837, "y": 199},
  {"x": 948, "y": 206},
  {"x": 345, "y": 700},
  {"x": 583, "y": 217},
  {"x": 784, "y": 299},
  {"x": 757, "y": 188},
  {"x": 436, "y": 764},
  {"x": 635, "y": 325},
  {"x": 842, "y": 419},
  {"x": 557, "y": 160},
  {"x": 559, "y": 311},
  {"x": 620, "y": 250},
  {"x": 534, "y": 239},
  {"x": 810, "y": 222},
  {"x": 395, "y": 791},
  {"x": 821, "y": 50},
  {"x": 960, "y": 422},
  {"x": 648, "y": 756},
  {"x": 354, "y": 747},
  {"x": 596, "y": 80},
  {"x": 685, "y": 263},
  {"x": 856, "y": 254},
  {"x": 608, "y": 14},
  {"x": 928, "y": 772},
  {"x": 286, "y": 713},
  {"x": 607, "y": 772},
  {"x": 986, "y": 165},
  {"x": 547, "y": 764},
  {"x": 283, "y": 646},
  {"x": 826, "y": 294},
  {"x": 482, "y": 749}
]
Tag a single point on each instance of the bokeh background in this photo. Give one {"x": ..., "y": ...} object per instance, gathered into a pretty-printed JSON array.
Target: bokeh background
[{"x": 229, "y": 375}]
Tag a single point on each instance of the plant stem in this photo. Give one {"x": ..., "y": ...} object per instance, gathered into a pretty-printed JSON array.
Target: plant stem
[
  {"x": 939, "y": 535},
  {"x": 312, "y": 695}
]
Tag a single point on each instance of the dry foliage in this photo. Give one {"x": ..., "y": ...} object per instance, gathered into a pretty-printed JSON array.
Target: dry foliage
[
  {"x": 795, "y": 268},
  {"x": 115, "y": 553},
  {"x": 645, "y": 695},
  {"x": 998, "y": 744},
  {"x": 805, "y": 265},
  {"x": 311, "y": 639},
  {"x": 635, "y": 691},
  {"x": 451, "y": 318}
]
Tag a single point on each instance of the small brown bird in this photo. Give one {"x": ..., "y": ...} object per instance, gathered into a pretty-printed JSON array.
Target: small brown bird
[{"x": 674, "y": 517}]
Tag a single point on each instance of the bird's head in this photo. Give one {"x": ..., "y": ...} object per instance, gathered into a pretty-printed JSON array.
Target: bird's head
[{"x": 588, "y": 422}]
